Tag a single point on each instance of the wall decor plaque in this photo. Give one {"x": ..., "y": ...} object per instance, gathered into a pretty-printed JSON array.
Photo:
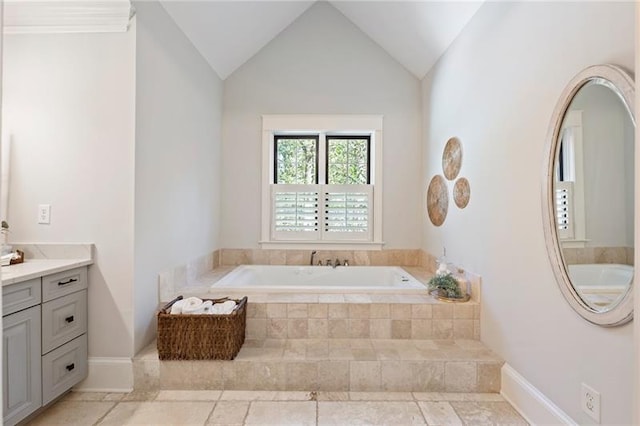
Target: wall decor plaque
[
  {"x": 452, "y": 158},
  {"x": 437, "y": 200},
  {"x": 461, "y": 192}
]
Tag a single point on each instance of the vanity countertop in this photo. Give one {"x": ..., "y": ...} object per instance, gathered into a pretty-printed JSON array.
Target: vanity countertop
[{"x": 33, "y": 268}]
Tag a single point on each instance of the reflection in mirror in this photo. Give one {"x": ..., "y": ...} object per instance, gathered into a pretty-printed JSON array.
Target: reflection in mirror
[
  {"x": 588, "y": 194},
  {"x": 595, "y": 194},
  {"x": 5, "y": 162}
]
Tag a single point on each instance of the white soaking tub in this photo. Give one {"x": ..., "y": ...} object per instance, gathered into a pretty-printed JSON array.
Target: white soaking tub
[
  {"x": 601, "y": 284},
  {"x": 320, "y": 279}
]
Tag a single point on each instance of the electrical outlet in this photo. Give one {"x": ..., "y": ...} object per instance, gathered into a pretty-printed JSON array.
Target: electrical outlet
[
  {"x": 590, "y": 402},
  {"x": 44, "y": 214}
]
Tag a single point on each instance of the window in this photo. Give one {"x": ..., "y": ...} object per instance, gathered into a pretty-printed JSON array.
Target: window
[
  {"x": 348, "y": 159},
  {"x": 569, "y": 183},
  {"x": 296, "y": 159},
  {"x": 322, "y": 186}
]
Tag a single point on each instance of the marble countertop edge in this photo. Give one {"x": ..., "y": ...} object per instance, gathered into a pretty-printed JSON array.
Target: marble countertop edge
[{"x": 35, "y": 268}]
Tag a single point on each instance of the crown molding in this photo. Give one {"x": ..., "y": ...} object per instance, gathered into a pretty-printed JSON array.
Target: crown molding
[{"x": 70, "y": 16}]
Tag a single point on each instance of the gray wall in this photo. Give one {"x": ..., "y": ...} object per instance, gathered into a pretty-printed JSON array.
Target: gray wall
[
  {"x": 321, "y": 64},
  {"x": 69, "y": 109},
  {"x": 496, "y": 88},
  {"x": 177, "y": 167}
]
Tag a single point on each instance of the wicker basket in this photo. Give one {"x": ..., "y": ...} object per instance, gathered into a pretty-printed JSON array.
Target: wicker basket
[{"x": 182, "y": 336}]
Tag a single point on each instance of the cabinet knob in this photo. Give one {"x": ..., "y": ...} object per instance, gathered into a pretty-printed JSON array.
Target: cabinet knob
[
  {"x": 69, "y": 319},
  {"x": 70, "y": 367}
]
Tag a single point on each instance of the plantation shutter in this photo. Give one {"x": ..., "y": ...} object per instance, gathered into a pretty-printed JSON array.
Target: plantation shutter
[
  {"x": 347, "y": 212},
  {"x": 295, "y": 212},
  {"x": 564, "y": 209}
]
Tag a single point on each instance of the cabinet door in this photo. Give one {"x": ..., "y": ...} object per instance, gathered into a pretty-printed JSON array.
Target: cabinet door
[{"x": 21, "y": 373}]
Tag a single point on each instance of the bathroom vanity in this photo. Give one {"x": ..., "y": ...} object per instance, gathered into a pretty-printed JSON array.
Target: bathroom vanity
[{"x": 44, "y": 308}]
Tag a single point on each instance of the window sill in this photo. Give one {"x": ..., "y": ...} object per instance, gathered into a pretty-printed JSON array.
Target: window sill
[
  {"x": 322, "y": 245},
  {"x": 573, "y": 243}
]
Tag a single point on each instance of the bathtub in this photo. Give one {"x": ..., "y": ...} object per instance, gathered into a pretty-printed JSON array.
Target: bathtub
[
  {"x": 601, "y": 284},
  {"x": 320, "y": 279}
]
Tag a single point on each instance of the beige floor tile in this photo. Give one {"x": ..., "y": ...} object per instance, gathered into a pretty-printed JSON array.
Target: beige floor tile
[
  {"x": 84, "y": 396},
  {"x": 114, "y": 396},
  {"x": 483, "y": 397},
  {"x": 282, "y": 413},
  {"x": 73, "y": 413},
  {"x": 140, "y": 395},
  {"x": 371, "y": 413},
  {"x": 332, "y": 396},
  {"x": 239, "y": 395},
  {"x": 229, "y": 413},
  {"x": 458, "y": 396},
  {"x": 186, "y": 395},
  {"x": 428, "y": 396},
  {"x": 159, "y": 413},
  {"x": 148, "y": 352},
  {"x": 380, "y": 396},
  {"x": 439, "y": 413},
  {"x": 487, "y": 413}
]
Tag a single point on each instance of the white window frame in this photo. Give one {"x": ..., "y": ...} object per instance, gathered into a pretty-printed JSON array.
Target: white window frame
[
  {"x": 572, "y": 128},
  {"x": 322, "y": 125}
]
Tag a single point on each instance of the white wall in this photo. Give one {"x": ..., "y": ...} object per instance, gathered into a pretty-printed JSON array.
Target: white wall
[
  {"x": 496, "y": 89},
  {"x": 608, "y": 141},
  {"x": 321, "y": 64},
  {"x": 69, "y": 106},
  {"x": 177, "y": 158}
]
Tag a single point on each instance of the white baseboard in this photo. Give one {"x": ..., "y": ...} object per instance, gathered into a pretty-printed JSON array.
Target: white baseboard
[
  {"x": 108, "y": 375},
  {"x": 532, "y": 404}
]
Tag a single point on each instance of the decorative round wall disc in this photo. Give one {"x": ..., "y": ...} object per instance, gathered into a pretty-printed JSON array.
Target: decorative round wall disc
[
  {"x": 437, "y": 200},
  {"x": 461, "y": 192},
  {"x": 452, "y": 158}
]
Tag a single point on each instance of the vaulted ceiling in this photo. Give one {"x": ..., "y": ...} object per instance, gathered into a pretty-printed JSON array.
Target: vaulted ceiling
[{"x": 228, "y": 33}]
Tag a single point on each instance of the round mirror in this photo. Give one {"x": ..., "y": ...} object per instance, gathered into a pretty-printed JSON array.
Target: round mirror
[{"x": 588, "y": 194}]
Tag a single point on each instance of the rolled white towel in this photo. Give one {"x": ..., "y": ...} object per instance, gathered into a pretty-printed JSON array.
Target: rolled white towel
[
  {"x": 224, "y": 308},
  {"x": 206, "y": 307},
  {"x": 176, "y": 308},
  {"x": 192, "y": 305}
]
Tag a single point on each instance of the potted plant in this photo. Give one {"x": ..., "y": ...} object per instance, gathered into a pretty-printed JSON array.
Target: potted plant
[{"x": 446, "y": 287}]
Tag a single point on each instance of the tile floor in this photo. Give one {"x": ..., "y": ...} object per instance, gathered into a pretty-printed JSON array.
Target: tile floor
[{"x": 279, "y": 408}]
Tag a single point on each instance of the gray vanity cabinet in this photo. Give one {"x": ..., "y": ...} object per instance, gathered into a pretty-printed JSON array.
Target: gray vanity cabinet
[
  {"x": 21, "y": 377},
  {"x": 44, "y": 340}
]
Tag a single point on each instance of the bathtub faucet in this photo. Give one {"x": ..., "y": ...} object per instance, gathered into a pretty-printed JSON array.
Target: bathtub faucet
[
  {"x": 334, "y": 264},
  {"x": 313, "y": 254}
]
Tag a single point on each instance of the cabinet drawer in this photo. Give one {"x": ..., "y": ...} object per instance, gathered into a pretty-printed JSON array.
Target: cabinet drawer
[
  {"x": 63, "y": 283},
  {"x": 16, "y": 297},
  {"x": 63, "y": 319},
  {"x": 63, "y": 368}
]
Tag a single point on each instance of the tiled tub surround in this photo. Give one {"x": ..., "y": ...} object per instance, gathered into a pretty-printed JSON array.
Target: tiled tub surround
[
  {"x": 597, "y": 255},
  {"x": 331, "y": 365},
  {"x": 333, "y": 342},
  {"x": 416, "y": 319}
]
